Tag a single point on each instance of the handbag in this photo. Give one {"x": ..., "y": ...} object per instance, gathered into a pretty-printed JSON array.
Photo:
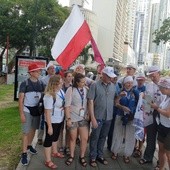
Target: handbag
[{"x": 34, "y": 111}]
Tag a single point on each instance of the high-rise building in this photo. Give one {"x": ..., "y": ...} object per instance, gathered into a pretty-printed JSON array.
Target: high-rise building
[
  {"x": 129, "y": 54},
  {"x": 154, "y": 25},
  {"x": 131, "y": 12},
  {"x": 156, "y": 12},
  {"x": 111, "y": 16},
  {"x": 89, "y": 16},
  {"x": 163, "y": 49},
  {"x": 139, "y": 30},
  {"x": 146, "y": 32}
]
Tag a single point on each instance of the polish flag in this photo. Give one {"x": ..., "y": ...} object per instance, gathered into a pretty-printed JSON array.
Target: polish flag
[
  {"x": 71, "y": 39},
  {"x": 97, "y": 56}
]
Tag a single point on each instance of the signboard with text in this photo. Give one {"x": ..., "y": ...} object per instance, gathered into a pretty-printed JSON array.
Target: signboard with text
[{"x": 21, "y": 70}]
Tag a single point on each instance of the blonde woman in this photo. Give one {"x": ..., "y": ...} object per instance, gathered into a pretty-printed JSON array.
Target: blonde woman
[{"x": 54, "y": 114}]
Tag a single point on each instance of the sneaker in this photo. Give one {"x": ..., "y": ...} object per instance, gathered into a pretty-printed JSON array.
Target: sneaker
[
  {"x": 31, "y": 150},
  {"x": 24, "y": 159}
]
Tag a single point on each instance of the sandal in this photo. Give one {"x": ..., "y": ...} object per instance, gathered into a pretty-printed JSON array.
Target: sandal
[
  {"x": 126, "y": 159},
  {"x": 69, "y": 161},
  {"x": 67, "y": 151},
  {"x": 102, "y": 160},
  {"x": 156, "y": 167},
  {"x": 50, "y": 165},
  {"x": 144, "y": 161},
  {"x": 114, "y": 157},
  {"x": 137, "y": 153},
  {"x": 61, "y": 149},
  {"x": 82, "y": 161},
  {"x": 93, "y": 163},
  {"x": 58, "y": 155}
]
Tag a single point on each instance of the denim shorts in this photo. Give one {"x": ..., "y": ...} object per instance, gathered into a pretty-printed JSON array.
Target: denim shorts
[
  {"x": 32, "y": 122},
  {"x": 82, "y": 123}
]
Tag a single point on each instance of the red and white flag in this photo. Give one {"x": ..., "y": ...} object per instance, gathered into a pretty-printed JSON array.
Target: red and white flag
[{"x": 71, "y": 39}]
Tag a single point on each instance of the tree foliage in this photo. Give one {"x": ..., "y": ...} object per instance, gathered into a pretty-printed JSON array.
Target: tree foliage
[
  {"x": 85, "y": 54},
  {"x": 30, "y": 23},
  {"x": 163, "y": 34}
]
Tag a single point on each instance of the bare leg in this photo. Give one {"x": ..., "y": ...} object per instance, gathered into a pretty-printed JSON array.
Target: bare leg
[
  {"x": 31, "y": 135},
  {"x": 54, "y": 147},
  {"x": 162, "y": 156},
  {"x": 47, "y": 151},
  {"x": 84, "y": 133},
  {"x": 24, "y": 142},
  {"x": 168, "y": 157},
  {"x": 73, "y": 137}
]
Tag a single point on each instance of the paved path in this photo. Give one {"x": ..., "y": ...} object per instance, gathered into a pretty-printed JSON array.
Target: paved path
[{"x": 37, "y": 163}]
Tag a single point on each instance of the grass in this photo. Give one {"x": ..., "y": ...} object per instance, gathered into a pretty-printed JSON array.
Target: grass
[{"x": 10, "y": 129}]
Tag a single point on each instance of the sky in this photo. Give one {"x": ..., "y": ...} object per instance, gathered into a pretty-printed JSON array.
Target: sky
[
  {"x": 64, "y": 2},
  {"x": 86, "y": 5}
]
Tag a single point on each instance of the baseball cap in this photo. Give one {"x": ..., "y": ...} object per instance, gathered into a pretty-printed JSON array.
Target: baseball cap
[
  {"x": 33, "y": 67},
  {"x": 109, "y": 71},
  {"x": 164, "y": 82},
  {"x": 153, "y": 69},
  {"x": 131, "y": 65},
  {"x": 140, "y": 76}
]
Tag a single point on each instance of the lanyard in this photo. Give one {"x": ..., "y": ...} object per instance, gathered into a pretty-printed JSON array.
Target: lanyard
[
  {"x": 62, "y": 96},
  {"x": 82, "y": 96}
]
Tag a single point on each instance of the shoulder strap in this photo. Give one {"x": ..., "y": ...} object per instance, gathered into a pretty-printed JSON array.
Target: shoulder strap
[
  {"x": 26, "y": 87},
  {"x": 54, "y": 100}
]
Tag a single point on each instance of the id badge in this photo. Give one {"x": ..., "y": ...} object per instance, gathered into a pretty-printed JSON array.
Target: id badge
[{"x": 81, "y": 112}]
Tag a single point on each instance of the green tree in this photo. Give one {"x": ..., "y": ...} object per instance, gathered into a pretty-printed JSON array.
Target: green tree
[
  {"x": 30, "y": 23},
  {"x": 163, "y": 34},
  {"x": 85, "y": 54}
]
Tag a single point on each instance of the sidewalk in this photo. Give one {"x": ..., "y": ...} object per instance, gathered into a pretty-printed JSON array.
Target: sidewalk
[{"x": 37, "y": 162}]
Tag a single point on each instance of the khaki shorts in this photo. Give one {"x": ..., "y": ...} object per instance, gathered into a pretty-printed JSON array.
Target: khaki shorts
[
  {"x": 32, "y": 122},
  {"x": 82, "y": 123}
]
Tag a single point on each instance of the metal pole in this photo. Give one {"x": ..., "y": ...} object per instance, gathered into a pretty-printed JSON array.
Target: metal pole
[
  {"x": 7, "y": 48},
  {"x": 35, "y": 31}
]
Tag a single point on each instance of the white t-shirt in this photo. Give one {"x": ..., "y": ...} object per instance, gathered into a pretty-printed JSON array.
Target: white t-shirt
[
  {"x": 165, "y": 121},
  {"x": 58, "y": 115},
  {"x": 152, "y": 89},
  {"x": 75, "y": 102}
]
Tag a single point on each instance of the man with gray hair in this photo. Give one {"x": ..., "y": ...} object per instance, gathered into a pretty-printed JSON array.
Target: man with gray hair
[
  {"x": 101, "y": 99},
  {"x": 152, "y": 89},
  {"x": 130, "y": 71}
]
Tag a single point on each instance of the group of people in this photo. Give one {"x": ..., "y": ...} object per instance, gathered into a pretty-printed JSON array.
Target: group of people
[{"x": 95, "y": 110}]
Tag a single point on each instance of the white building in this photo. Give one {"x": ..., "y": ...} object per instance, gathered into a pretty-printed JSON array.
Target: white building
[
  {"x": 164, "y": 12},
  {"x": 89, "y": 16},
  {"x": 155, "y": 13},
  {"x": 111, "y": 15},
  {"x": 131, "y": 13},
  {"x": 128, "y": 52}
]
